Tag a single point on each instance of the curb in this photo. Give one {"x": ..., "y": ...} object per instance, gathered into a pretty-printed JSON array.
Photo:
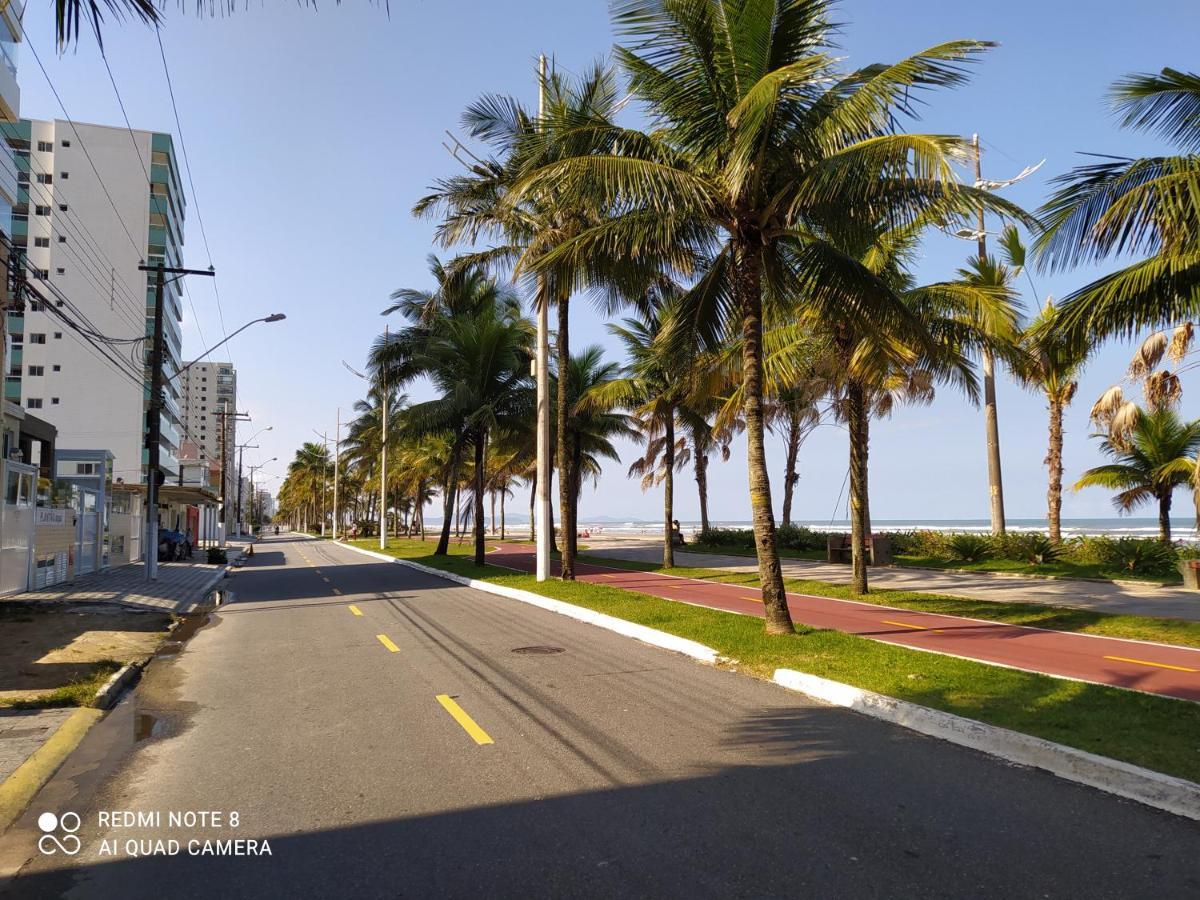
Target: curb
[
  {"x": 1173, "y": 795},
  {"x": 108, "y": 694},
  {"x": 22, "y": 785},
  {"x": 641, "y": 633}
]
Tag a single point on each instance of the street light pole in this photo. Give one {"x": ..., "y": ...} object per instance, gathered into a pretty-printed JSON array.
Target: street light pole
[
  {"x": 337, "y": 457},
  {"x": 543, "y": 391},
  {"x": 154, "y": 411}
]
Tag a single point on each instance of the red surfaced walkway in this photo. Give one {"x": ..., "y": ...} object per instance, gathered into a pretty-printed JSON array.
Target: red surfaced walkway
[{"x": 1137, "y": 665}]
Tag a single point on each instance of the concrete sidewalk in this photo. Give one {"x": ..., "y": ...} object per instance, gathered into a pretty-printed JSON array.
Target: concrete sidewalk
[
  {"x": 1105, "y": 597},
  {"x": 180, "y": 587}
]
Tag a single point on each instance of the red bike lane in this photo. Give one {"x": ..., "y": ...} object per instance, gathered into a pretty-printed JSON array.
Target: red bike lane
[{"x": 1136, "y": 665}]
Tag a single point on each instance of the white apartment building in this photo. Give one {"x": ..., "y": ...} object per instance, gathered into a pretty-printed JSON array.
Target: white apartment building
[
  {"x": 207, "y": 389},
  {"x": 85, "y": 255}
]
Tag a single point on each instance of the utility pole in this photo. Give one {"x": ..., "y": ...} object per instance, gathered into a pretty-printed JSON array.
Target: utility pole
[
  {"x": 383, "y": 452},
  {"x": 543, "y": 390},
  {"x": 154, "y": 475},
  {"x": 991, "y": 420},
  {"x": 238, "y": 506},
  {"x": 225, "y": 415},
  {"x": 337, "y": 456}
]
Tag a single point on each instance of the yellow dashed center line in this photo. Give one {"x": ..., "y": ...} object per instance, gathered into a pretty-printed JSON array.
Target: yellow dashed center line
[
  {"x": 753, "y": 599},
  {"x": 354, "y": 609},
  {"x": 1144, "y": 662},
  {"x": 905, "y": 625},
  {"x": 468, "y": 724},
  {"x": 387, "y": 642}
]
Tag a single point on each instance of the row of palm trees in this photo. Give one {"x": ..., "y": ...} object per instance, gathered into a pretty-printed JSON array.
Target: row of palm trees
[{"x": 760, "y": 230}]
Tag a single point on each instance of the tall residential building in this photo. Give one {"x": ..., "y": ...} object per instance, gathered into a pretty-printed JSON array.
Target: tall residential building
[
  {"x": 93, "y": 203},
  {"x": 10, "y": 103},
  {"x": 207, "y": 389}
]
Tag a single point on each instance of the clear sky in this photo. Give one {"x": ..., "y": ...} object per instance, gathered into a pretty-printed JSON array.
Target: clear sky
[{"x": 310, "y": 135}]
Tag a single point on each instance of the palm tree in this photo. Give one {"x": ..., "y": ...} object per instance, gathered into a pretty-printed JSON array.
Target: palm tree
[
  {"x": 1159, "y": 456},
  {"x": 755, "y": 135},
  {"x": 1053, "y": 365},
  {"x": 704, "y": 437},
  {"x": 480, "y": 367},
  {"x": 479, "y": 203},
  {"x": 653, "y": 389},
  {"x": 793, "y": 409},
  {"x": 306, "y": 483},
  {"x": 1147, "y": 207}
]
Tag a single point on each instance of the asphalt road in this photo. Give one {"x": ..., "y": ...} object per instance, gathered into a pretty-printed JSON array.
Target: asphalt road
[{"x": 613, "y": 769}]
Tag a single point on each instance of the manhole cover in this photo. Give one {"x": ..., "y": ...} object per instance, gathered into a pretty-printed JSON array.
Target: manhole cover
[{"x": 542, "y": 651}]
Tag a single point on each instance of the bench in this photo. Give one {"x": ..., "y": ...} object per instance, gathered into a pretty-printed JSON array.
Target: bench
[{"x": 879, "y": 549}]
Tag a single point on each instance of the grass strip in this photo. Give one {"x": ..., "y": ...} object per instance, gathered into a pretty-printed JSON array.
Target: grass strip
[
  {"x": 1158, "y": 733},
  {"x": 80, "y": 691},
  {"x": 1058, "y": 568}
]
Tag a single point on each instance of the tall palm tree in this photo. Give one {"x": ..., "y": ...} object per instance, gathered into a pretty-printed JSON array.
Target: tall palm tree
[
  {"x": 1147, "y": 207},
  {"x": 479, "y": 365},
  {"x": 653, "y": 389},
  {"x": 1053, "y": 365},
  {"x": 754, "y": 133},
  {"x": 479, "y": 203},
  {"x": 793, "y": 409},
  {"x": 1159, "y": 457}
]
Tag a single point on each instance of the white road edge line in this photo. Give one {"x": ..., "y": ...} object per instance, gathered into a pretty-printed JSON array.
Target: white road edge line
[{"x": 1173, "y": 795}]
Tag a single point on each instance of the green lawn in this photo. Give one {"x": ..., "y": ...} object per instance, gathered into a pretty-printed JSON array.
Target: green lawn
[
  {"x": 1056, "y": 569},
  {"x": 1155, "y": 732}
]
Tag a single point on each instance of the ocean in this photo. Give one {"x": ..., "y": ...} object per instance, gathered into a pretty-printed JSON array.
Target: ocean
[{"x": 1182, "y": 529}]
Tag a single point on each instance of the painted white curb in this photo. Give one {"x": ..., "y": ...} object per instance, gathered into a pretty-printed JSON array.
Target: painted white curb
[
  {"x": 612, "y": 623},
  {"x": 1174, "y": 795}
]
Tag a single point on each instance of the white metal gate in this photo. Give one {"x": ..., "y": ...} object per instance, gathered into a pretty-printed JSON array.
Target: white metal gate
[
  {"x": 16, "y": 525},
  {"x": 89, "y": 533}
]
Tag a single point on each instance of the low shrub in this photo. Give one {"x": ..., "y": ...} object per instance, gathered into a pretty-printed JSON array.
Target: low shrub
[
  {"x": 1024, "y": 546},
  {"x": 969, "y": 547},
  {"x": 742, "y": 538},
  {"x": 922, "y": 542},
  {"x": 1087, "y": 550},
  {"x": 1143, "y": 556},
  {"x": 797, "y": 537}
]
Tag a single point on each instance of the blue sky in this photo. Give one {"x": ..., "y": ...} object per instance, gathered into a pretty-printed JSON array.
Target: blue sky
[{"x": 310, "y": 135}]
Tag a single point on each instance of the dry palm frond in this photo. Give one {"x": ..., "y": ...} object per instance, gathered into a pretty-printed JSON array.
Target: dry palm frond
[
  {"x": 1120, "y": 428},
  {"x": 1107, "y": 406},
  {"x": 1181, "y": 343},
  {"x": 1163, "y": 390},
  {"x": 1148, "y": 356},
  {"x": 1068, "y": 392}
]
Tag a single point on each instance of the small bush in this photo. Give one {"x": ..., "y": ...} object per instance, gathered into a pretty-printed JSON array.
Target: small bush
[
  {"x": 969, "y": 547},
  {"x": 217, "y": 556},
  {"x": 742, "y": 538},
  {"x": 1024, "y": 546},
  {"x": 1087, "y": 550},
  {"x": 1143, "y": 556},
  {"x": 922, "y": 542},
  {"x": 798, "y": 537}
]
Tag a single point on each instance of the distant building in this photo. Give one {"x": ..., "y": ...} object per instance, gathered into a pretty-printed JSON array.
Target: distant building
[
  {"x": 85, "y": 259},
  {"x": 207, "y": 390}
]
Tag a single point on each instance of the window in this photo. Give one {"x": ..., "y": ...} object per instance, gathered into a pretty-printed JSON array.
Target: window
[
  {"x": 35, "y": 370},
  {"x": 62, "y": 238},
  {"x": 45, "y": 146},
  {"x": 45, "y": 178},
  {"x": 57, "y": 336},
  {"x": 60, "y": 271},
  {"x": 41, "y": 242},
  {"x": 43, "y": 274},
  {"x": 34, "y": 306},
  {"x": 40, "y": 338},
  {"x": 22, "y": 178},
  {"x": 62, "y": 207},
  {"x": 41, "y": 210},
  {"x": 85, "y": 468},
  {"x": 64, "y": 175},
  {"x": 54, "y": 401},
  {"x": 56, "y": 368},
  {"x": 66, "y": 143},
  {"x": 33, "y": 402}
]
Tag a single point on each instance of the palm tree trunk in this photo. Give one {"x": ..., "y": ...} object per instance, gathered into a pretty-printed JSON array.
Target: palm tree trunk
[
  {"x": 571, "y": 535},
  {"x": 856, "y": 413},
  {"x": 503, "y": 491},
  {"x": 533, "y": 507},
  {"x": 790, "y": 475},
  {"x": 1164, "y": 516},
  {"x": 748, "y": 284},
  {"x": 1055, "y": 463},
  {"x": 564, "y": 449},
  {"x": 492, "y": 496},
  {"x": 448, "y": 505},
  {"x": 702, "y": 486},
  {"x": 995, "y": 479},
  {"x": 669, "y": 491},
  {"x": 480, "y": 437}
]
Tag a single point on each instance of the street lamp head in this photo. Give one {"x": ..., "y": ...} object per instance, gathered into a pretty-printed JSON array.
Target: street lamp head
[{"x": 275, "y": 317}]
